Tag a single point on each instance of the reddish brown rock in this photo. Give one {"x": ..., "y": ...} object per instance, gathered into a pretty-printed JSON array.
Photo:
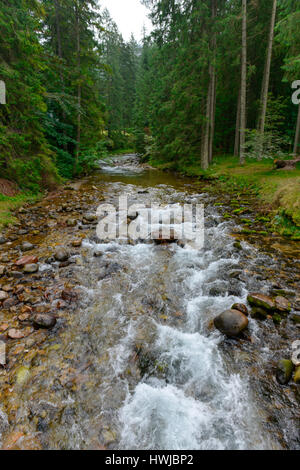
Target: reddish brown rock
[
  {"x": 282, "y": 304},
  {"x": 26, "y": 260},
  {"x": 241, "y": 308},
  {"x": 13, "y": 333}
]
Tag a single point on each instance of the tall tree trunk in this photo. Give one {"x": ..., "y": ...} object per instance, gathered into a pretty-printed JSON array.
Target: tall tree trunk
[
  {"x": 213, "y": 87},
  {"x": 237, "y": 125},
  {"x": 58, "y": 30},
  {"x": 60, "y": 55},
  {"x": 243, "y": 83},
  {"x": 297, "y": 134},
  {"x": 213, "y": 118},
  {"x": 204, "y": 157},
  {"x": 79, "y": 84},
  {"x": 209, "y": 117},
  {"x": 266, "y": 79}
]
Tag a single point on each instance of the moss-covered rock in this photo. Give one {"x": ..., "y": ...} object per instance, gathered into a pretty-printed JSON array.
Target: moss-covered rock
[
  {"x": 284, "y": 371},
  {"x": 261, "y": 301},
  {"x": 297, "y": 375}
]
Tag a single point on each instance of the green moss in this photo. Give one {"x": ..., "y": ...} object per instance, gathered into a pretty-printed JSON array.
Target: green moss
[{"x": 9, "y": 204}]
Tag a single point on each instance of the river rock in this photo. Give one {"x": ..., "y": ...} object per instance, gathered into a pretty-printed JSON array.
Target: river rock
[
  {"x": 158, "y": 237},
  {"x": 296, "y": 318},
  {"x": 241, "y": 308},
  {"x": 13, "y": 333},
  {"x": 44, "y": 320},
  {"x": 71, "y": 223},
  {"x": 90, "y": 218},
  {"x": 3, "y": 295},
  {"x": 31, "y": 268},
  {"x": 98, "y": 253},
  {"x": 26, "y": 246},
  {"x": 9, "y": 303},
  {"x": 231, "y": 322},
  {"x": 284, "y": 371},
  {"x": 297, "y": 375},
  {"x": 2, "y": 240},
  {"x": 16, "y": 274},
  {"x": 2, "y": 270},
  {"x": 61, "y": 254},
  {"x": 30, "y": 259},
  {"x": 282, "y": 304},
  {"x": 77, "y": 243},
  {"x": 261, "y": 301}
]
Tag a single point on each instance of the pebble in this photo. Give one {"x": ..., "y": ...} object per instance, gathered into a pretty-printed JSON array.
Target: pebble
[
  {"x": 31, "y": 268},
  {"x": 44, "y": 320}
]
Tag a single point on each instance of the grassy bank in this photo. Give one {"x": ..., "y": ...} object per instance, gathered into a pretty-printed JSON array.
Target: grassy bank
[
  {"x": 9, "y": 204},
  {"x": 280, "y": 189}
]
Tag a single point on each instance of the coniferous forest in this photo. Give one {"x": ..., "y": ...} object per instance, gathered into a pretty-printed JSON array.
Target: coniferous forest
[{"x": 214, "y": 77}]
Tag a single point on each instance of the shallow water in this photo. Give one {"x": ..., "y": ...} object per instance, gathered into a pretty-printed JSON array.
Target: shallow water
[{"x": 140, "y": 366}]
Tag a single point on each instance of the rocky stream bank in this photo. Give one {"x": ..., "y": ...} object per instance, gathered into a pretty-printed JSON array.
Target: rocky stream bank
[{"x": 117, "y": 345}]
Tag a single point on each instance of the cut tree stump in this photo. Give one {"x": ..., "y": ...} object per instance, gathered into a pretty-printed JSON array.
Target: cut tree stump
[{"x": 286, "y": 164}]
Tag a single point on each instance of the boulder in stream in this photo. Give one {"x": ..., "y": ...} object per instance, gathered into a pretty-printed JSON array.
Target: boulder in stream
[
  {"x": 284, "y": 371},
  {"x": 231, "y": 322}
]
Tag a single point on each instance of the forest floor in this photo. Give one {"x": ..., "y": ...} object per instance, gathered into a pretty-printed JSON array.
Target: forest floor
[{"x": 278, "y": 189}]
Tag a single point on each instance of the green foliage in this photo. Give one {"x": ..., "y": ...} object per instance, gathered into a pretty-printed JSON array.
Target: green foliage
[{"x": 267, "y": 145}]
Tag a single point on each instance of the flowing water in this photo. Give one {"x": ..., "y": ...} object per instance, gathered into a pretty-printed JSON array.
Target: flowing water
[{"x": 140, "y": 365}]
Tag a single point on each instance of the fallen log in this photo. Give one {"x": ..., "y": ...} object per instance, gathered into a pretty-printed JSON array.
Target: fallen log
[{"x": 286, "y": 164}]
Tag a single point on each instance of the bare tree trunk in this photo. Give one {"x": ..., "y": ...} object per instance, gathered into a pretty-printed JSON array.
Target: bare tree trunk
[
  {"x": 209, "y": 117},
  {"x": 213, "y": 119},
  {"x": 79, "y": 85},
  {"x": 213, "y": 87},
  {"x": 58, "y": 31},
  {"x": 243, "y": 84},
  {"x": 297, "y": 134},
  {"x": 266, "y": 79},
  {"x": 204, "y": 157},
  {"x": 60, "y": 55},
  {"x": 237, "y": 125}
]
